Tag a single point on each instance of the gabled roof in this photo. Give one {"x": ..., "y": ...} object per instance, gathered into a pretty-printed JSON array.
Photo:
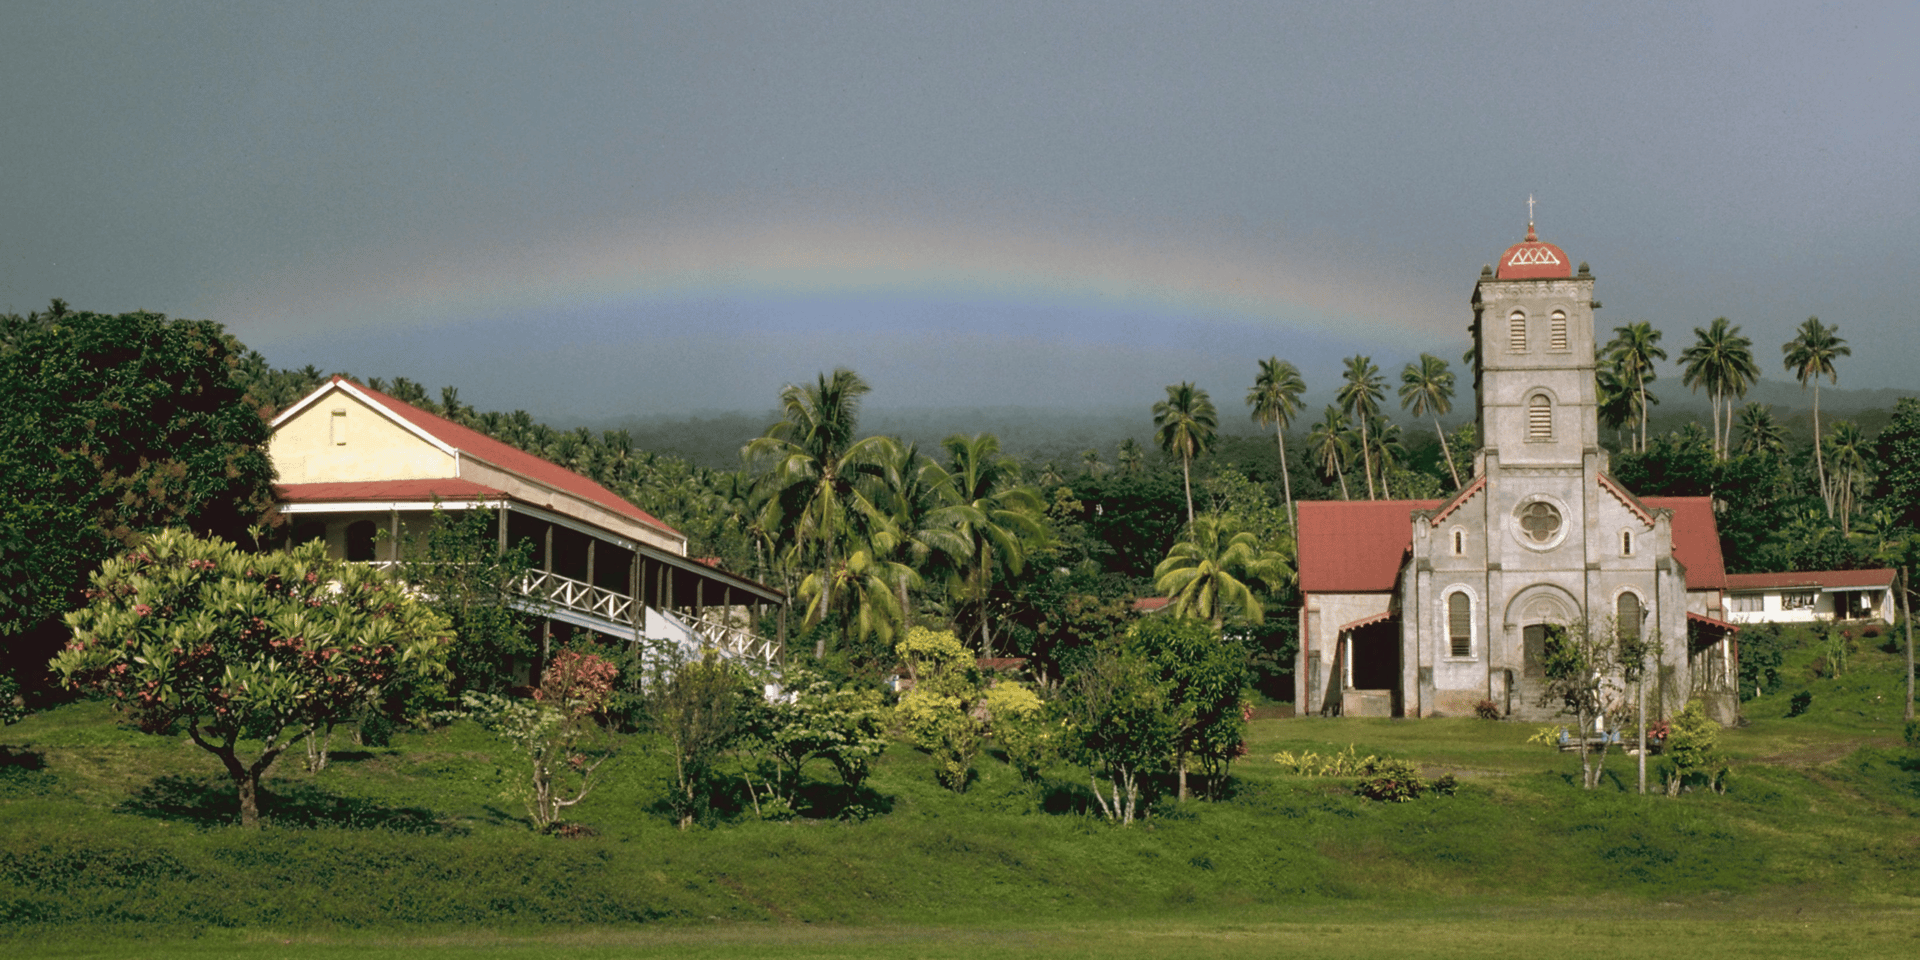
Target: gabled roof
[
  {"x": 1696, "y": 540},
  {"x": 1355, "y": 546},
  {"x": 1459, "y": 500},
  {"x": 1816, "y": 579},
  {"x": 466, "y": 441}
]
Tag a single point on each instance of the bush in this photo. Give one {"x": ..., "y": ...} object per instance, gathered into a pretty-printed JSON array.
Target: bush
[
  {"x": 1487, "y": 710},
  {"x": 1691, "y": 756},
  {"x": 1913, "y": 734},
  {"x": 1799, "y": 703},
  {"x": 1390, "y": 781}
]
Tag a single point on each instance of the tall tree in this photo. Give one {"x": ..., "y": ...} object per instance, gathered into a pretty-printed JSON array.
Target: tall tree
[
  {"x": 1212, "y": 569},
  {"x": 1275, "y": 399},
  {"x": 1000, "y": 520},
  {"x": 1759, "y": 432},
  {"x": 1328, "y": 443},
  {"x": 1427, "y": 388},
  {"x": 1810, "y": 356},
  {"x": 815, "y": 462},
  {"x": 1185, "y": 424},
  {"x": 909, "y": 526},
  {"x": 1360, "y": 397},
  {"x": 1848, "y": 450},
  {"x": 1633, "y": 350},
  {"x": 1130, "y": 458},
  {"x": 1721, "y": 362}
]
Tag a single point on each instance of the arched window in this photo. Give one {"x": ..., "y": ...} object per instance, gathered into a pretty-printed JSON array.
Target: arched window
[
  {"x": 1557, "y": 331},
  {"x": 360, "y": 536},
  {"x": 1627, "y": 616},
  {"x": 1459, "y": 543},
  {"x": 1626, "y": 543},
  {"x": 1539, "y": 417},
  {"x": 1517, "y": 332},
  {"x": 1459, "y": 625}
]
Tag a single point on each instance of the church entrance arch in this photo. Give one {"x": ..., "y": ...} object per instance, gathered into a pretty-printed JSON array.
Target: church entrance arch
[{"x": 1542, "y": 612}]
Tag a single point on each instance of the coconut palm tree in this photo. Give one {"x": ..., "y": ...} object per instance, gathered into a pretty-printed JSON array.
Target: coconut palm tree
[
  {"x": 1760, "y": 433},
  {"x": 999, "y": 519},
  {"x": 814, "y": 465},
  {"x": 1384, "y": 442},
  {"x": 1186, "y": 423},
  {"x": 908, "y": 526},
  {"x": 1330, "y": 444},
  {"x": 1633, "y": 350},
  {"x": 1275, "y": 399},
  {"x": 1847, "y": 450},
  {"x": 860, "y": 585},
  {"x": 1130, "y": 458},
  {"x": 1721, "y": 361},
  {"x": 1360, "y": 398},
  {"x": 1211, "y": 569},
  {"x": 1428, "y": 388},
  {"x": 1090, "y": 463},
  {"x": 1810, "y": 356}
]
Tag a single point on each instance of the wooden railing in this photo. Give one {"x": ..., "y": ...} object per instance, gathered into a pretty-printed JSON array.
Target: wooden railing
[{"x": 730, "y": 640}]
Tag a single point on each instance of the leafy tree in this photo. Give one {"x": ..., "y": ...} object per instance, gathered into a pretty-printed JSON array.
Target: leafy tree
[
  {"x": 938, "y": 713},
  {"x": 1212, "y": 568},
  {"x": 1360, "y": 398},
  {"x": 1810, "y": 356},
  {"x": 1185, "y": 425},
  {"x": 1275, "y": 399},
  {"x": 1580, "y": 665},
  {"x": 1632, "y": 352},
  {"x": 1020, "y": 725},
  {"x": 701, "y": 708},
  {"x": 1331, "y": 448},
  {"x": 1760, "y": 434},
  {"x": 1690, "y": 754},
  {"x": 1897, "y": 456},
  {"x": 1117, "y": 722},
  {"x": 1720, "y": 360},
  {"x": 1847, "y": 451},
  {"x": 1202, "y": 674},
  {"x": 1428, "y": 388},
  {"x": 1130, "y": 458},
  {"x": 116, "y": 426},
  {"x": 843, "y": 724},
  {"x": 557, "y": 731},
  {"x": 815, "y": 463},
  {"x": 459, "y": 572},
  {"x": 188, "y": 631},
  {"x": 999, "y": 520}
]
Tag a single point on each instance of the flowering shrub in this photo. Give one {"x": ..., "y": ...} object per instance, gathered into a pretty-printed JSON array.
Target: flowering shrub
[
  {"x": 557, "y": 732},
  {"x": 185, "y": 631}
]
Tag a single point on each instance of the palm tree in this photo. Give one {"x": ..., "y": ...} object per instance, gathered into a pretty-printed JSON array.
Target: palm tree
[
  {"x": 1384, "y": 440},
  {"x": 1211, "y": 568},
  {"x": 1634, "y": 349},
  {"x": 1809, "y": 356},
  {"x": 1090, "y": 463},
  {"x": 1848, "y": 449},
  {"x": 861, "y": 585},
  {"x": 1275, "y": 399},
  {"x": 1760, "y": 433},
  {"x": 1428, "y": 388},
  {"x": 999, "y": 519},
  {"x": 1130, "y": 457},
  {"x": 1360, "y": 398},
  {"x": 908, "y": 524},
  {"x": 814, "y": 465},
  {"x": 1720, "y": 360},
  {"x": 1328, "y": 444},
  {"x": 1185, "y": 423}
]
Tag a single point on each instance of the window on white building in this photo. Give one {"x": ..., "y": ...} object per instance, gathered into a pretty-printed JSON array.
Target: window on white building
[
  {"x": 1459, "y": 625},
  {"x": 1749, "y": 602}
]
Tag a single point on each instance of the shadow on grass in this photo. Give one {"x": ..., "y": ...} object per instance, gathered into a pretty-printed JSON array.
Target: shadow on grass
[
  {"x": 211, "y": 801},
  {"x": 24, "y": 773}
]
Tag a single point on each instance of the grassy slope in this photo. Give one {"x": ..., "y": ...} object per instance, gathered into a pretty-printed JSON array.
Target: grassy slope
[{"x": 119, "y": 828}]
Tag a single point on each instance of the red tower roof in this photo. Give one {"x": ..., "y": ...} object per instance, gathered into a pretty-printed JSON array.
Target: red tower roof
[{"x": 1533, "y": 259}]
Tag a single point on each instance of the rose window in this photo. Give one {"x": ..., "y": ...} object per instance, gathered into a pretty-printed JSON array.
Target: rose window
[{"x": 1540, "y": 521}]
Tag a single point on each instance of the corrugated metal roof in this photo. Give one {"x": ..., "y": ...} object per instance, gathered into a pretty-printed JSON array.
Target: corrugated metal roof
[
  {"x": 470, "y": 441},
  {"x": 443, "y": 488},
  {"x": 1355, "y": 546},
  {"x": 1696, "y": 540},
  {"x": 1822, "y": 579}
]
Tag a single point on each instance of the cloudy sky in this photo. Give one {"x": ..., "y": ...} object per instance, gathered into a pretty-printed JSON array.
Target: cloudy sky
[{"x": 661, "y": 208}]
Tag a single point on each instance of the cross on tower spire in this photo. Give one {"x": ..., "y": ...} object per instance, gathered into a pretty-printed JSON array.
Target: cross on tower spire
[{"x": 1531, "y": 236}]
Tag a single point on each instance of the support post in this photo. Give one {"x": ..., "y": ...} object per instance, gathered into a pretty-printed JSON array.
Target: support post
[
  {"x": 393, "y": 535},
  {"x": 1906, "y": 613},
  {"x": 503, "y": 528},
  {"x": 591, "y": 545}
]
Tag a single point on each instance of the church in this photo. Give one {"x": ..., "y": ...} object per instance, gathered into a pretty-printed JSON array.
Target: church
[{"x": 1429, "y": 608}]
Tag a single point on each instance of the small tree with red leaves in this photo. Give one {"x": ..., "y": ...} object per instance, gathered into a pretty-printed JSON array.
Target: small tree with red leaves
[
  {"x": 188, "y": 631},
  {"x": 559, "y": 731}
]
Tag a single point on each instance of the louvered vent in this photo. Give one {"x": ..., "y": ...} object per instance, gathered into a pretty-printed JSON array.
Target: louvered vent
[
  {"x": 1460, "y": 625},
  {"x": 1517, "y": 332},
  {"x": 1539, "y": 419},
  {"x": 1557, "y": 339}
]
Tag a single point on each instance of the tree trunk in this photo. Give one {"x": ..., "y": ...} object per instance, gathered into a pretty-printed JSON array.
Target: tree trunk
[
  {"x": 1446, "y": 450},
  {"x": 1819, "y": 458},
  {"x": 1366, "y": 457},
  {"x": 1906, "y": 613},
  {"x": 1640, "y": 707},
  {"x": 1186, "y": 479},
  {"x": 1286, "y": 479},
  {"x": 1642, "y": 388},
  {"x": 1180, "y": 759}
]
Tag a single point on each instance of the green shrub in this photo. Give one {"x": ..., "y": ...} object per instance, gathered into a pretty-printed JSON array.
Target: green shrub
[
  {"x": 1799, "y": 703},
  {"x": 1487, "y": 710}
]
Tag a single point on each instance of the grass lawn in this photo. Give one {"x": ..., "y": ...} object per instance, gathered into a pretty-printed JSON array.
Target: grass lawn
[{"x": 117, "y": 843}]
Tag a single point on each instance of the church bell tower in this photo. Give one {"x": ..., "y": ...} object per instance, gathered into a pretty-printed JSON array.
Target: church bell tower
[{"x": 1534, "y": 339}]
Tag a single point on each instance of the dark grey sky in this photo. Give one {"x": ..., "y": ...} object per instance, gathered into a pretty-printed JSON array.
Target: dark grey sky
[{"x": 595, "y": 211}]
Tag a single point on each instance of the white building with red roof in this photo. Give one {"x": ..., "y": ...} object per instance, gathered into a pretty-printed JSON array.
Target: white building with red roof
[
  {"x": 1428, "y": 608},
  {"x": 355, "y": 463},
  {"x": 1807, "y": 596}
]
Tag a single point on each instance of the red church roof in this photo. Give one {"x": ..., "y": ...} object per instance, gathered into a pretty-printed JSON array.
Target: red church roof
[
  {"x": 474, "y": 443},
  {"x": 1533, "y": 259},
  {"x": 1696, "y": 540},
  {"x": 1355, "y": 546}
]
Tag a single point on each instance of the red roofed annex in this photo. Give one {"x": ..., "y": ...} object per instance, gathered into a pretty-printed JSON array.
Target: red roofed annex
[{"x": 1429, "y": 608}]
